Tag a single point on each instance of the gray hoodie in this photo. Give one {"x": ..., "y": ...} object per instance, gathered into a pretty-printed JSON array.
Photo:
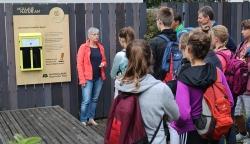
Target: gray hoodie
[{"x": 156, "y": 99}]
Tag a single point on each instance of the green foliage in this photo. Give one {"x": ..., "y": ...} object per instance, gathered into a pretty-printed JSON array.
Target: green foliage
[
  {"x": 19, "y": 139},
  {"x": 152, "y": 29},
  {"x": 153, "y": 3}
]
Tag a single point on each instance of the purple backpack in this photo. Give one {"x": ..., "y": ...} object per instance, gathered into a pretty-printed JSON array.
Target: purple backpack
[{"x": 236, "y": 73}]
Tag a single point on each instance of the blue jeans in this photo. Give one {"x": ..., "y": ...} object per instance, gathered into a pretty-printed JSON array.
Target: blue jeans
[
  {"x": 230, "y": 137},
  {"x": 248, "y": 124},
  {"x": 90, "y": 94}
]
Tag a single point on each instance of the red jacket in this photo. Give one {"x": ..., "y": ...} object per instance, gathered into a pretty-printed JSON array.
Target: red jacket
[{"x": 84, "y": 66}]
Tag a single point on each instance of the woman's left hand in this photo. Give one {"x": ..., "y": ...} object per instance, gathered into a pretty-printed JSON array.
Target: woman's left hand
[{"x": 101, "y": 65}]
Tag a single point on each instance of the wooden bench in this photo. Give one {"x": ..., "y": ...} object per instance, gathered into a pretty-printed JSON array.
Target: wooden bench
[{"x": 53, "y": 124}]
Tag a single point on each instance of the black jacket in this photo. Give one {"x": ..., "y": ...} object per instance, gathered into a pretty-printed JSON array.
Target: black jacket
[
  {"x": 158, "y": 46},
  {"x": 199, "y": 76}
]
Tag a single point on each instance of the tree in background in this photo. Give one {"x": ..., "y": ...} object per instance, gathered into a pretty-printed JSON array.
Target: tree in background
[{"x": 152, "y": 29}]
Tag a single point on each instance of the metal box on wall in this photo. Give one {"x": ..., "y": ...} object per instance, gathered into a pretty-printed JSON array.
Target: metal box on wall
[{"x": 31, "y": 54}]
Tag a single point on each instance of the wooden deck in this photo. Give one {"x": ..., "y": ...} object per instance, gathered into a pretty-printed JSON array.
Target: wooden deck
[{"x": 53, "y": 124}]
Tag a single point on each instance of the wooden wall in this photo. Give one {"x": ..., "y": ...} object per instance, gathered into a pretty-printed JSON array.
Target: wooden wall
[{"x": 109, "y": 18}]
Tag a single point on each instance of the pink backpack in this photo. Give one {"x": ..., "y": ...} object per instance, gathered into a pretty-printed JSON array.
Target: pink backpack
[{"x": 236, "y": 73}]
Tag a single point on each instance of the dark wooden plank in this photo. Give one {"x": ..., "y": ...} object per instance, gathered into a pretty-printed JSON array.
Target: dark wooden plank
[
  {"x": 136, "y": 16},
  {"x": 78, "y": 131},
  {"x": 186, "y": 15},
  {"x": 31, "y": 121},
  {"x": 57, "y": 94},
  {"x": 10, "y": 124},
  {"x": 220, "y": 13},
  {"x": 82, "y": 138},
  {"x": 239, "y": 19},
  {"x": 38, "y": 93},
  {"x": 113, "y": 33},
  {"x": 193, "y": 14},
  {"x": 80, "y": 24},
  {"x": 143, "y": 20},
  {"x": 245, "y": 10},
  {"x": 120, "y": 21},
  {"x": 233, "y": 23},
  {"x": 106, "y": 93},
  {"x": 13, "y": 122},
  {"x": 4, "y": 96},
  {"x": 71, "y": 123},
  {"x": 50, "y": 122},
  {"x": 47, "y": 95},
  {"x": 112, "y": 41},
  {"x": 66, "y": 96},
  {"x": 22, "y": 122},
  {"x": 74, "y": 28},
  {"x": 31, "y": 96},
  {"x": 26, "y": 96},
  {"x": 215, "y": 9},
  {"x": 3, "y": 137},
  {"x": 226, "y": 16},
  {"x": 172, "y": 5},
  {"x": 21, "y": 96},
  {"x": 89, "y": 16},
  {"x": 179, "y": 9},
  {"x": 96, "y": 15},
  {"x": 129, "y": 14},
  {"x": 6, "y": 126},
  {"x": 39, "y": 127},
  {"x": 81, "y": 36},
  {"x": 61, "y": 124},
  {"x": 91, "y": 134},
  {"x": 99, "y": 24},
  {"x": 77, "y": 36},
  {"x": 12, "y": 88}
]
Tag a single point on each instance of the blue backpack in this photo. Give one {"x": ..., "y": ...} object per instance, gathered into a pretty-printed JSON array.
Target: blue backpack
[
  {"x": 171, "y": 48},
  {"x": 185, "y": 30}
]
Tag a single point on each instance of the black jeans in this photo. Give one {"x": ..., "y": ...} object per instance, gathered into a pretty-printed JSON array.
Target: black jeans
[{"x": 193, "y": 137}]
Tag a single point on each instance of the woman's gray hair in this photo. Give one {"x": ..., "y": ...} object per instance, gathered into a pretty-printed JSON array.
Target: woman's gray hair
[{"x": 93, "y": 30}]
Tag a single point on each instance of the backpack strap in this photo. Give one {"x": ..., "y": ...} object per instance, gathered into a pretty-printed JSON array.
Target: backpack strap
[
  {"x": 167, "y": 40},
  {"x": 119, "y": 71},
  {"x": 218, "y": 75},
  {"x": 226, "y": 58},
  {"x": 167, "y": 51},
  {"x": 164, "y": 37},
  {"x": 239, "y": 48},
  {"x": 156, "y": 131}
]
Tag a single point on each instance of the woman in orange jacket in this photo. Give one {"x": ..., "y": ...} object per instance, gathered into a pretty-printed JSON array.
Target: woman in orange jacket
[{"x": 91, "y": 63}]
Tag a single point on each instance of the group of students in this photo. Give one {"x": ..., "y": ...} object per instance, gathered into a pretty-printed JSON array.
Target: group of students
[{"x": 138, "y": 70}]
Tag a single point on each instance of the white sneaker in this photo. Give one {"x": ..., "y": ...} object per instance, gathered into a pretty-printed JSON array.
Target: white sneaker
[
  {"x": 246, "y": 141},
  {"x": 240, "y": 137},
  {"x": 92, "y": 121},
  {"x": 84, "y": 123}
]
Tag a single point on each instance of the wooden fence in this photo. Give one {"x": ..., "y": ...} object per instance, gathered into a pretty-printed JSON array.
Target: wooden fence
[
  {"x": 228, "y": 14},
  {"x": 108, "y": 17}
]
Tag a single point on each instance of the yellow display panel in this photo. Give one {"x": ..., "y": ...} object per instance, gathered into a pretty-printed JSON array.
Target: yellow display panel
[{"x": 31, "y": 53}]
